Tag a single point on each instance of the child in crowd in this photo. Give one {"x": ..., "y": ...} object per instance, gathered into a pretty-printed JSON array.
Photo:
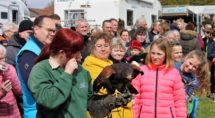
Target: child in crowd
[
  {"x": 176, "y": 51},
  {"x": 195, "y": 74},
  {"x": 195, "y": 65},
  {"x": 180, "y": 24},
  {"x": 136, "y": 53},
  {"x": 9, "y": 88},
  {"x": 141, "y": 36},
  {"x": 117, "y": 52},
  {"x": 194, "y": 71},
  {"x": 161, "y": 92}
]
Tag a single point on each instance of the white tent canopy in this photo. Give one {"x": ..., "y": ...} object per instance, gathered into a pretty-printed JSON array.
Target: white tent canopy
[
  {"x": 202, "y": 9},
  {"x": 199, "y": 10}
]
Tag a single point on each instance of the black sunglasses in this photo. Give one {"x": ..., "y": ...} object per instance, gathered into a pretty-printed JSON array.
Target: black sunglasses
[{"x": 208, "y": 32}]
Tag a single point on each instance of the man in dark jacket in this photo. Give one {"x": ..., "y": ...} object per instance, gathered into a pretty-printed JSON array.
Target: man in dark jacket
[
  {"x": 18, "y": 40},
  {"x": 82, "y": 27},
  {"x": 154, "y": 30}
]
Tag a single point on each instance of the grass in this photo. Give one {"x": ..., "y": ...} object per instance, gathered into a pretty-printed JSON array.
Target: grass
[{"x": 206, "y": 108}]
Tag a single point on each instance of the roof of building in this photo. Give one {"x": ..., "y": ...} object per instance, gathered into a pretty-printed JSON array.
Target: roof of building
[{"x": 34, "y": 12}]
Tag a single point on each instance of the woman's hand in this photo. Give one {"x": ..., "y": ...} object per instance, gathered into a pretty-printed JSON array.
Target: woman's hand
[
  {"x": 71, "y": 65},
  {"x": 6, "y": 86},
  {"x": 213, "y": 60}
]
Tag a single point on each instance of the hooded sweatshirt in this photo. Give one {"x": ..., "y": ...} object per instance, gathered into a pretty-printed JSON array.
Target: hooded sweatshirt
[{"x": 189, "y": 41}]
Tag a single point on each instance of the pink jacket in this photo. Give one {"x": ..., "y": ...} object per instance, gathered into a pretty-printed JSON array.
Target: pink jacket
[
  {"x": 201, "y": 42},
  {"x": 161, "y": 94},
  {"x": 8, "y": 105}
]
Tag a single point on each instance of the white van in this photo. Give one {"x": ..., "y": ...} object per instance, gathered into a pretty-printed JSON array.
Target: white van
[
  {"x": 96, "y": 11},
  {"x": 13, "y": 11}
]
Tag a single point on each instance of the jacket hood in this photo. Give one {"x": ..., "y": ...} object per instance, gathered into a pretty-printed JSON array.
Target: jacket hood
[
  {"x": 188, "y": 34},
  {"x": 14, "y": 41}
]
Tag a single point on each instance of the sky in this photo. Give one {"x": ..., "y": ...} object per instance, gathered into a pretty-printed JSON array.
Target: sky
[{"x": 37, "y": 3}]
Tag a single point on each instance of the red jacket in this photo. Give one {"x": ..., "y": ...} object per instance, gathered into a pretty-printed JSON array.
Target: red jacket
[
  {"x": 8, "y": 105},
  {"x": 161, "y": 94}
]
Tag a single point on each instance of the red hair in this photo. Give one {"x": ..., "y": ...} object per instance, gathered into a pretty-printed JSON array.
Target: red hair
[{"x": 66, "y": 40}]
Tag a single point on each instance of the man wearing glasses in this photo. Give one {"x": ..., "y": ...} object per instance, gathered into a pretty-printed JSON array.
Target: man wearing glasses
[{"x": 44, "y": 29}]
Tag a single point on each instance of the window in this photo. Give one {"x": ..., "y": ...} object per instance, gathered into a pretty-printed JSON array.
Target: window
[
  {"x": 154, "y": 18},
  {"x": 15, "y": 16},
  {"x": 72, "y": 15},
  {"x": 129, "y": 17},
  {"x": 3, "y": 15}
]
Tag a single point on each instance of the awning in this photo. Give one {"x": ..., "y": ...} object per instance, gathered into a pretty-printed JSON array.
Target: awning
[
  {"x": 174, "y": 11},
  {"x": 202, "y": 9}
]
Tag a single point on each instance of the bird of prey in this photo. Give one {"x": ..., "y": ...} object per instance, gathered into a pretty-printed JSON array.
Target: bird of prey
[{"x": 117, "y": 78}]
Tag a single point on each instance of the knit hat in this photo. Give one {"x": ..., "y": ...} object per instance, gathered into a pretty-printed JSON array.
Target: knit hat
[
  {"x": 25, "y": 25},
  {"x": 136, "y": 45}
]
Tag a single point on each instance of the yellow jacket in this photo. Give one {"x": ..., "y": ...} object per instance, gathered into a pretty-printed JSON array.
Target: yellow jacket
[{"x": 95, "y": 66}]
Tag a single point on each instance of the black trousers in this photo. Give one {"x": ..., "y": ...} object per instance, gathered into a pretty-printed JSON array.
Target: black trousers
[{"x": 212, "y": 78}]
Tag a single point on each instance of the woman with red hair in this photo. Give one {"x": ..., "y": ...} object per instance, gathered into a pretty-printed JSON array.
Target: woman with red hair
[{"x": 58, "y": 83}]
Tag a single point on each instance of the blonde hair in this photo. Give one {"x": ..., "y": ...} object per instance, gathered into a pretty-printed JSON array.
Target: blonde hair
[
  {"x": 117, "y": 44},
  {"x": 163, "y": 44},
  {"x": 203, "y": 72},
  {"x": 180, "y": 20}
]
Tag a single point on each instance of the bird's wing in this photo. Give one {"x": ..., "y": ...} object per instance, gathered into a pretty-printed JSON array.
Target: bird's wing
[
  {"x": 103, "y": 76},
  {"x": 137, "y": 70}
]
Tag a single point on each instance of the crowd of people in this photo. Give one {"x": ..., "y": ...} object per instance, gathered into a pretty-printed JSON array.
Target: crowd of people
[{"x": 48, "y": 71}]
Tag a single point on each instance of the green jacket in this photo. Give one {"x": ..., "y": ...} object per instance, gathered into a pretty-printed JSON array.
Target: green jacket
[{"x": 58, "y": 94}]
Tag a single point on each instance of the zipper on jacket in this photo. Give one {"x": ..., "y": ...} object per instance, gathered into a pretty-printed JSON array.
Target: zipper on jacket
[
  {"x": 156, "y": 90},
  {"x": 140, "y": 111},
  {"x": 171, "y": 112}
]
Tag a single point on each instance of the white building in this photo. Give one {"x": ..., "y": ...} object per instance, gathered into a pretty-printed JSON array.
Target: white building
[
  {"x": 13, "y": 11},
  {"x": 96, "y": 11}
]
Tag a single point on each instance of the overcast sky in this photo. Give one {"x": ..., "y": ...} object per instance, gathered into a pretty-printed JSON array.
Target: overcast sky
[{"x": 37, "y": 3}]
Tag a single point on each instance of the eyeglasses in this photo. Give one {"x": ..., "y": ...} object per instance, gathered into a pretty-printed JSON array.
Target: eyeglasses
[
  {"x": 50, "y": 30},
  {"x": 100, "y": 46},
  {"x": 207, "y": 32},
  {"x": 2, "y": 58}
]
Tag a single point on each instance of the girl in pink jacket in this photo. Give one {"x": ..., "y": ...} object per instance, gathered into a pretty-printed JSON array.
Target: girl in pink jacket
[
  {"x": 161, "y": 92},
  {"x": 9, "y": 87}
]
